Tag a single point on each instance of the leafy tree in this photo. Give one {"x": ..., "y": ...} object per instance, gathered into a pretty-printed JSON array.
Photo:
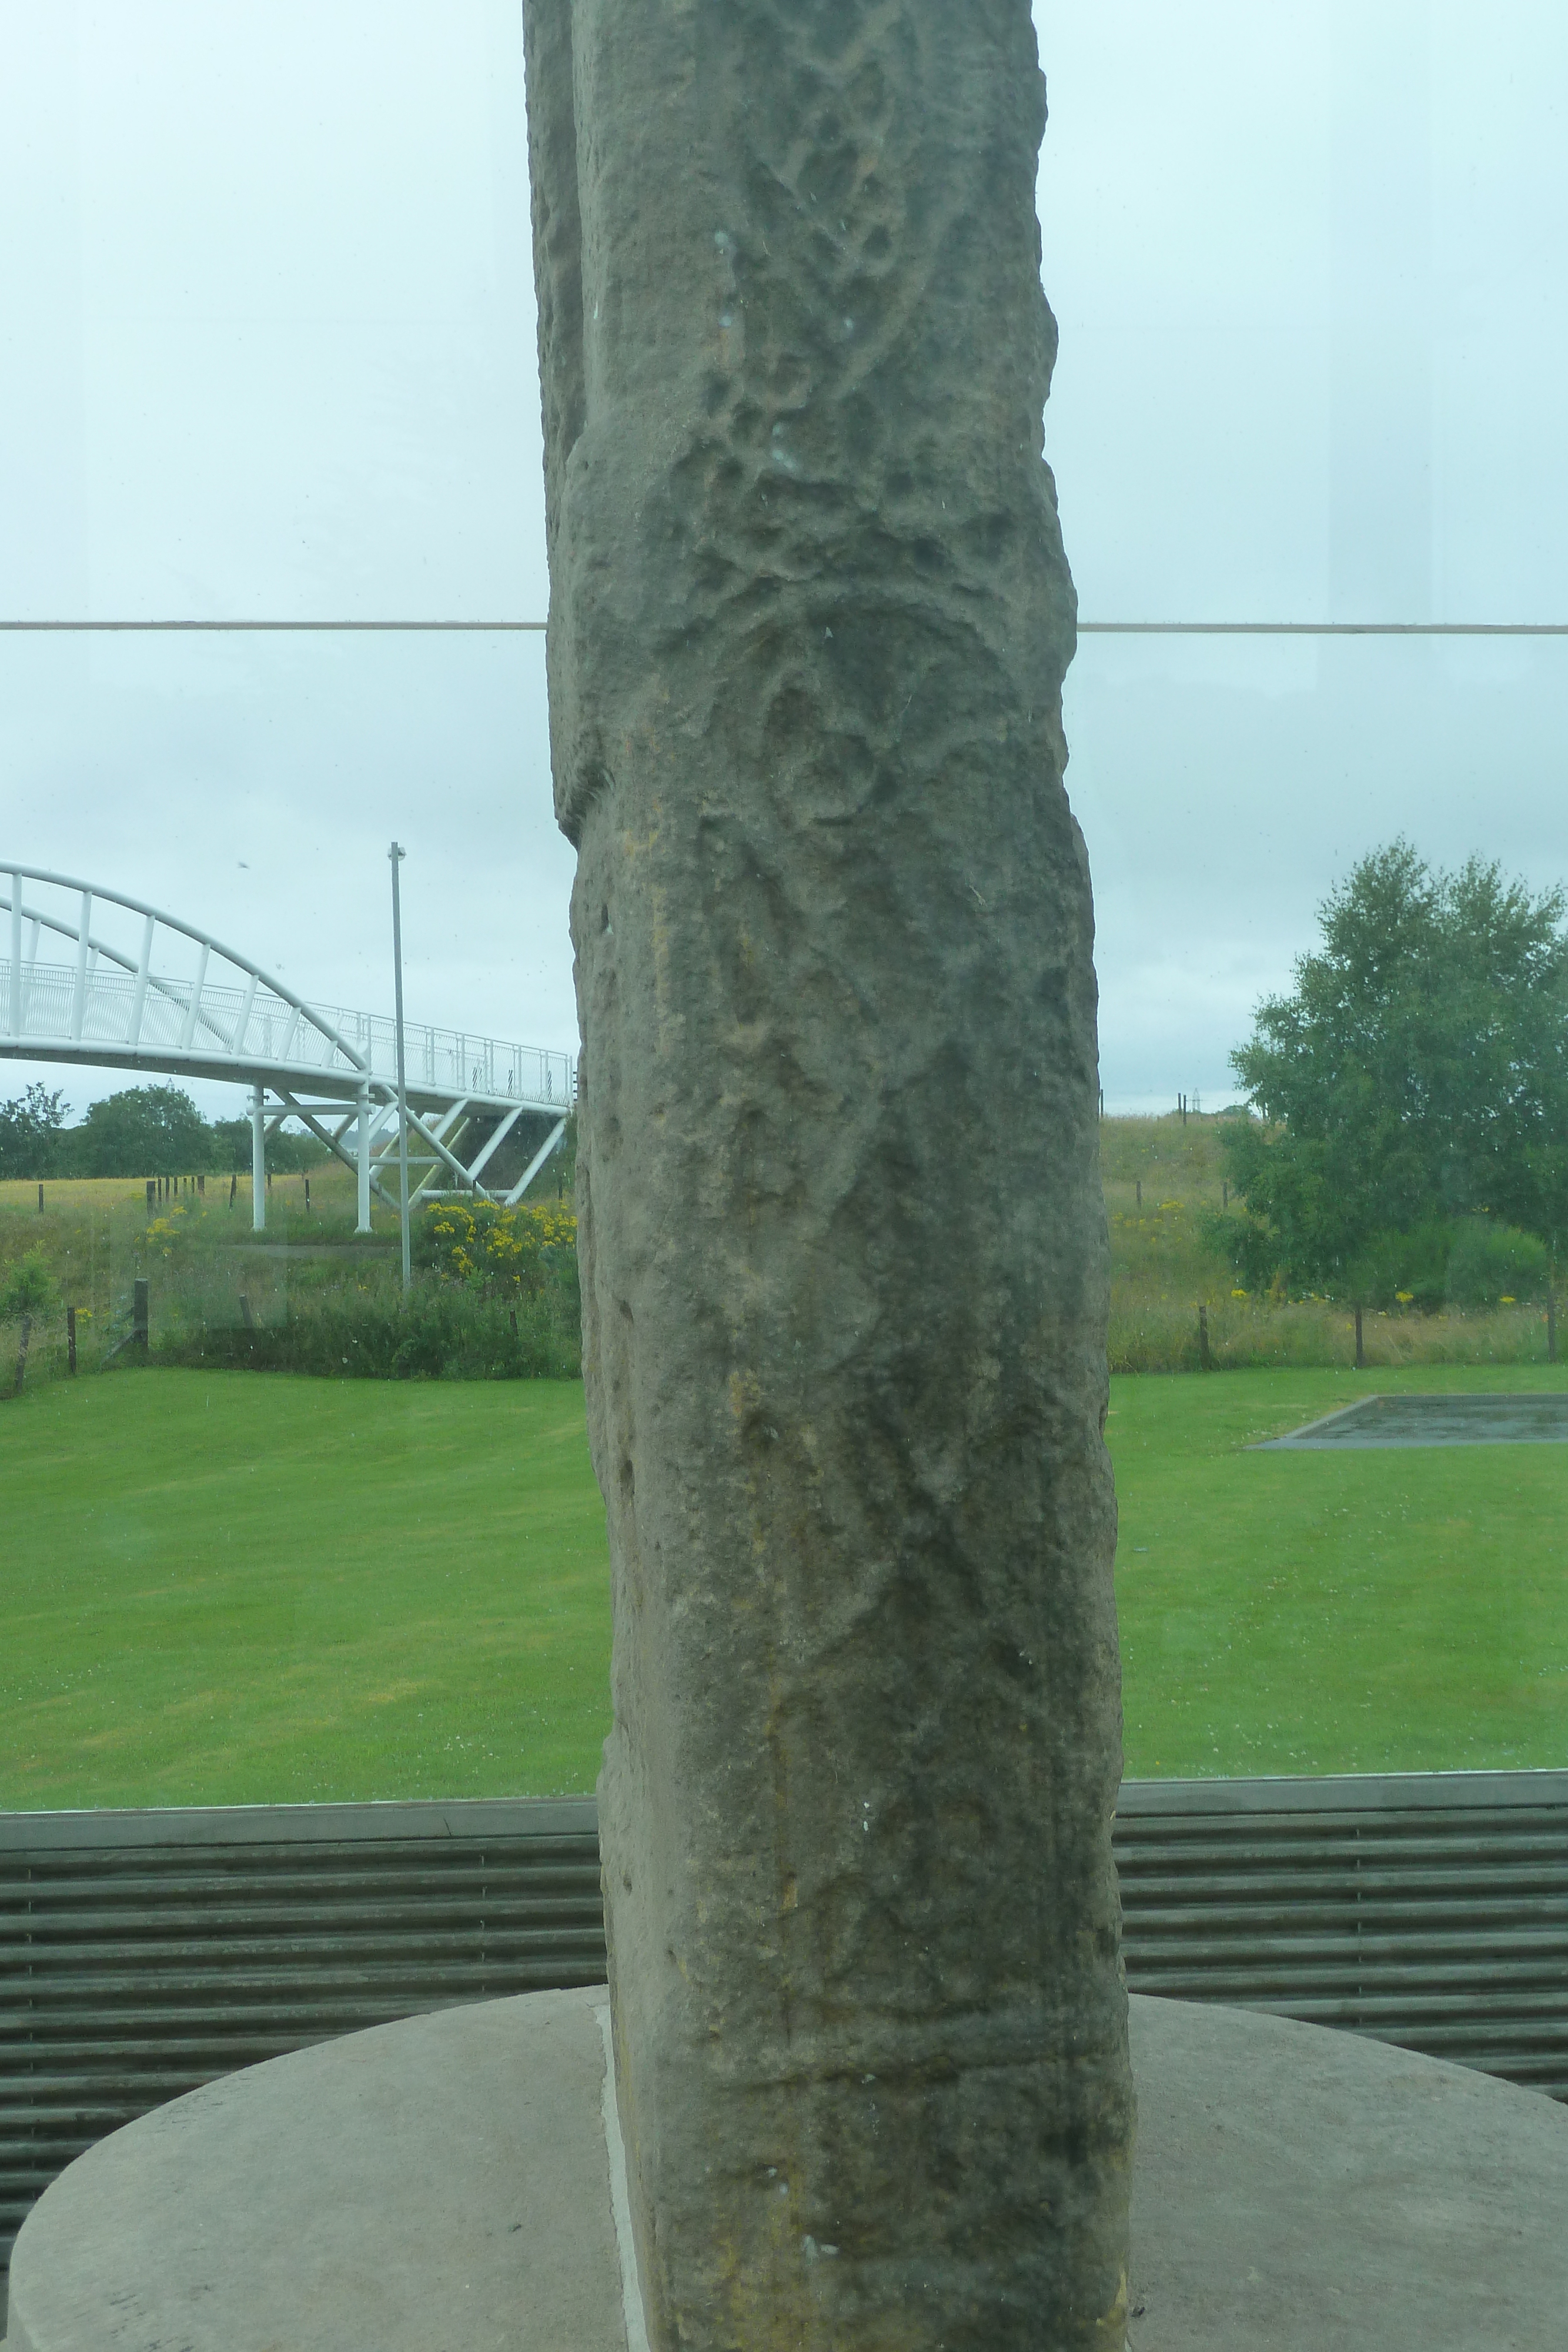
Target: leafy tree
[
  {"x": 30, "y": 1129},
  {"x": 1419, "y": 1074},
  {"x": 144, "y": 1131},
  {"x": 29, "y": 1291},
  {"x": 287, "y": 1150}
]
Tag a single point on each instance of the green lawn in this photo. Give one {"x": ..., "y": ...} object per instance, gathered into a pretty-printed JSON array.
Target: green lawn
[
  {"x": 1322, "y": 1612},
  {"x": 247, "y": 1586},
  {"x": 244, "y": 1587}
]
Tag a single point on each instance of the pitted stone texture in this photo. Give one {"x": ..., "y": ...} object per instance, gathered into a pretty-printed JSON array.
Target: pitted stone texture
[{"x": 843, "y": 1250}]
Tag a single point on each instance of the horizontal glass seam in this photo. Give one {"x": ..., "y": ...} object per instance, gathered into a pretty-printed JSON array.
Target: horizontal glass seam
[{"x": 1085, "y": 628}]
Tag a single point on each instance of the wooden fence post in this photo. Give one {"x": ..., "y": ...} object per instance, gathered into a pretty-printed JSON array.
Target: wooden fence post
[
  {"x": 71, "y": 1340},
  {"x": 1360, "y": 1350},
  {"x": 139, "y": 1319},
  {"x": 1205, "y": 1364}
]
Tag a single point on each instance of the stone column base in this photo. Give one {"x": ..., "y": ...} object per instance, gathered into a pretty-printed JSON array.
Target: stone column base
[{"x": 452, "y": 2182}]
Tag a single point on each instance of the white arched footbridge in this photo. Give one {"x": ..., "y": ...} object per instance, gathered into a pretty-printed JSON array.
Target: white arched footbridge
[{"x": 90, "y": 976}]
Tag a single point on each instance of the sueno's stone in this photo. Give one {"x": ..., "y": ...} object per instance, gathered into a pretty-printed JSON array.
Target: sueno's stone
[{"x": 844, "y": 1276}]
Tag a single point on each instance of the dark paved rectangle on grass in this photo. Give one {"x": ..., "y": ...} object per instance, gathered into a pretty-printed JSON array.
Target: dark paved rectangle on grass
[{"x": 1432, "y": 1421}]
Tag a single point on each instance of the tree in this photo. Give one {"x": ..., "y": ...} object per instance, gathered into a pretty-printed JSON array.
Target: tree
[
  {"x": 30, "y": 1128},
  {"x": 1419, "y": 1074},
  {"x": 144, "y": 1131},
  {"x": 288, "y": 1150}
]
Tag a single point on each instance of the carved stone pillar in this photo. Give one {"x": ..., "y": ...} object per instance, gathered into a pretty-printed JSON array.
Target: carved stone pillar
[{"x": 844, "y": 1272}]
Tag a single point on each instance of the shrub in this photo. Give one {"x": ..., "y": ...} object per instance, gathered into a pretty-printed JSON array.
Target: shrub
[
  {"x": 500, "y": 1252},
  {"x": 29, "y": 1288},
  {"x": 1390, "y": 1269},
  {"x": 1491, "y": 1262},
  {"x": 440, "y": 1330},
  {"x": 1247, "y": 1243},
  {"x": 1403, "y": 1269},
  {"x": 29, "y": 1291}
]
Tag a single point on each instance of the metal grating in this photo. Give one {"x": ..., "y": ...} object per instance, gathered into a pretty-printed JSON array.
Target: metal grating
[
  {"x": 1427, "y": 1909},
  {"x": 144, "y": 1953}
]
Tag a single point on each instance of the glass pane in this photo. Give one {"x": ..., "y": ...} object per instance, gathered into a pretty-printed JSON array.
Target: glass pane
[
  {"x": 275, "y": 310},
  {"x": 1224, "y": 785},
  {"x": 1304, "y": 268}
]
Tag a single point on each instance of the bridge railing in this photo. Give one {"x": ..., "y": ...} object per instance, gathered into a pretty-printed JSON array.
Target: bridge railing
[
  {"x": 454, "y": 1061},
  {"x": 56, "y": 1004},
  {"x": 143, "y": 1012}
]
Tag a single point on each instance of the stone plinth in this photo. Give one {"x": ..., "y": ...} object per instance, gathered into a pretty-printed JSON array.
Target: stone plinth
[{"x": 448, "y": 2183}]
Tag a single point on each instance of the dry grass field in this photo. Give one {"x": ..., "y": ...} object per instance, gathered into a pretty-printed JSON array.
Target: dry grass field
[{"x": 1164, "y": 1205}]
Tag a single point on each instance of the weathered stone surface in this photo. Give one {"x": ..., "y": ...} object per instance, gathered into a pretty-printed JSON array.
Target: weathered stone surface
[{"x": 843, "y": 1253}]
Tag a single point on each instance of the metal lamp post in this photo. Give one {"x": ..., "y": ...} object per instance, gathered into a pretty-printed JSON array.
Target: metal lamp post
[{"x": 396, "y": 855}]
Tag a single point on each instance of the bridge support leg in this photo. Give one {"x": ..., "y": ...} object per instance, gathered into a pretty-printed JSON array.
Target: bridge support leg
[
  {"x": 258, "y": 1160},
  {"x": 362, "y": 1158}
]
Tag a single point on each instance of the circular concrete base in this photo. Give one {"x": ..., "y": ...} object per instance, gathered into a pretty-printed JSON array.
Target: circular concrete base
[{"x": 451, "y": 2181}]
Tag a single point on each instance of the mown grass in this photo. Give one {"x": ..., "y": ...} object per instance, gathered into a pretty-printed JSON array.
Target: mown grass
[
  {"x": 1400, "y": 1611},
  {"x": 229, "y": 1587}
]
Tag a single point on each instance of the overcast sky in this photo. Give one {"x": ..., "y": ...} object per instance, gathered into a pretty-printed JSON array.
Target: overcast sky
[{"x": 266, "y": 349}]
